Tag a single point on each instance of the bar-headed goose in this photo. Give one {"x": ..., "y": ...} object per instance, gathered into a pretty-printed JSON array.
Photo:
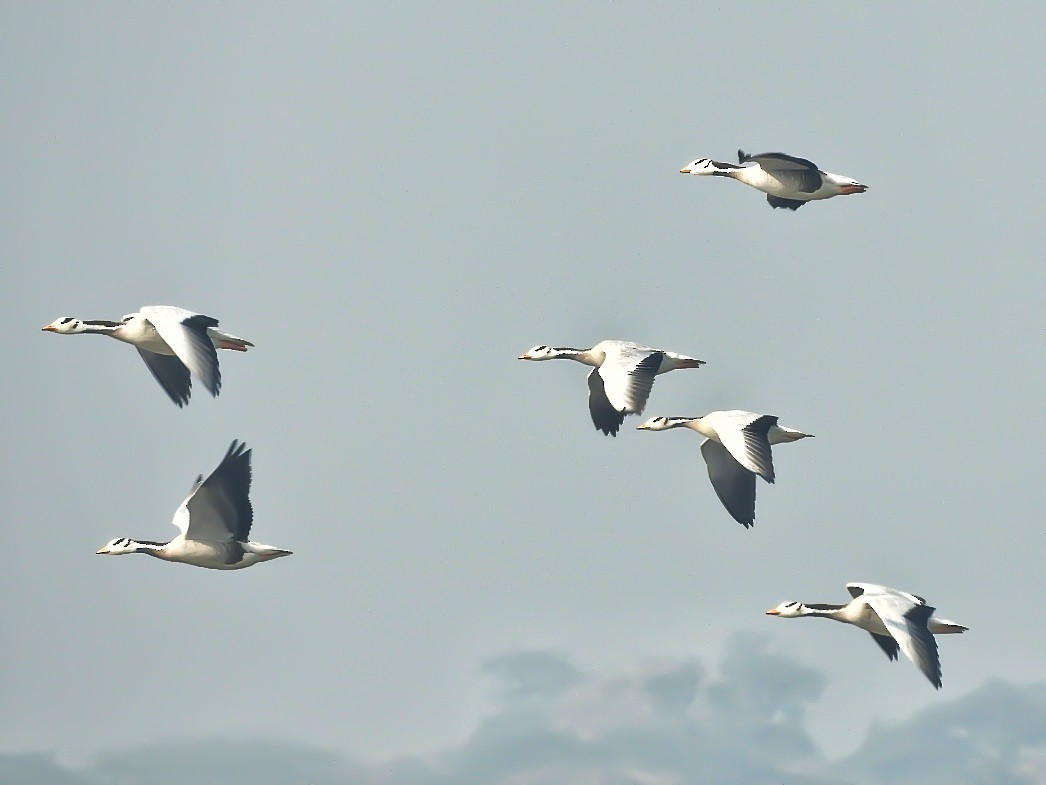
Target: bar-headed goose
[
  {"x": 894, "y": 619},
  {"x": 621, "y": 377},
  {"x": 736, "y": 449},
  {"x": 172, "y": 341},
  {"x": 215, "y": 521},
  {"x": 787, "y": 181}
]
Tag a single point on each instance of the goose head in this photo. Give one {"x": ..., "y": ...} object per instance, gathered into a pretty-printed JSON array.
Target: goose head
[
  {"x": 664, "y": 423},
  {"x": 66, "y": 324},
  {"x": 538, "y": 353},
  {"x": 847, "y": 185},
  {"x": 787, "y": 610},
  {"x": 700, "y": 166},
  {"x": 118, "y": 547}
]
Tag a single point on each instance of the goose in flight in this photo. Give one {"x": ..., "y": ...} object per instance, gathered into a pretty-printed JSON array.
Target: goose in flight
[
  {"x": 621, "y": 377},
  {"x": 894, "y": 619},
  {"x": 215, "y": 522},
  {"x": 787, "y": 181},
  {"x": 736, "y": 448},
  {"x": 173, "y": 342}
]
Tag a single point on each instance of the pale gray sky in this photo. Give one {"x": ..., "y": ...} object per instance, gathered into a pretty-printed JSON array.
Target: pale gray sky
[{"x": 393, "y": 201}]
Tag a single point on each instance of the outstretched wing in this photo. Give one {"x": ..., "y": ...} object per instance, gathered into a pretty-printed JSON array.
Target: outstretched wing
[
  {"x": 218, "y": 509},
  {"x": 746, "y": 436},
  {"x": 186, "y": 333},
  {"x": 907, "y": 623},
  {"x": 733, "y": 483},
  {"x": 778, "y": 161},
  {"x": 604, "y": 416},
  {"x": 628, "y": 377},
  {"x": 171, "y": 373}
]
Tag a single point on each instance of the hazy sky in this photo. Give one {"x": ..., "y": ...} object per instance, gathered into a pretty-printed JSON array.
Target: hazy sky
[{"x": 392, "y": 202}]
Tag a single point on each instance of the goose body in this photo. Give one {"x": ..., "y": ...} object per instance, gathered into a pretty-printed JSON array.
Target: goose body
[
  {"x": 621, "y": 377},
  {"x": 174, "y": 343},
  {"x": 895, "y": 619},
  {"x": 736, "y": 449},
  {"x": 215, "y": 522},
  {"x": 787, "y": 181}
]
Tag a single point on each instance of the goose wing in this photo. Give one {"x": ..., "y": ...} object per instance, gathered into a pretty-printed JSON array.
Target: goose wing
[
  {"x": 857, "y": 589},
  {"x": 779, "y": 162},
  {"x": 788, "y": 204},
  {"x": 733, "y": 483},
  {"x": 798, "y": 173},
  {"x": 887, "y": 644},
  {"x": 171, "y": 373},
  {"x": 906, "y": 622},
  {"x": 746, "y": 436},
  {"x": 186, "y": 333},
  {"x": 604, "y": 416},
  {"x": 218, "y": 509},
  {"x": 628, "y": 375}
]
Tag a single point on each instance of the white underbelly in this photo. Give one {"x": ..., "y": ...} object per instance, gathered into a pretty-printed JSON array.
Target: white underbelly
[
  {"x": 212, "y": 555},
  {"x": 769, "y": 184}
]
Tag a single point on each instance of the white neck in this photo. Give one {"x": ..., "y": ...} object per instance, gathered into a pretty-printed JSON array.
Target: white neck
[
  {"x": 585, "y": 356},
  {"x": 837, "y": 612},
  {"x": 150, "y": 548},
  {"x": 679, "y": 422},
  {"x": 698, "y": 424}
]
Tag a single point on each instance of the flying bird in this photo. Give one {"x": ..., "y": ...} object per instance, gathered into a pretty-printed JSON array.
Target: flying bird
[
  {"x": 215, "y": 522},
  {"x": 736, "y": 449},
  {"x": 787, "y": 181},
  {"x": 894, "y": 618},
  {"x": 622, "y": 375},
  {"x": 173, "y": 342}
]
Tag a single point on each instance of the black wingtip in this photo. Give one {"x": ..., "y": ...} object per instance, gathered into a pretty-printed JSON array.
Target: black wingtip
[
  {"x": 236, "y": 449},
  {"x": 741, "y": 157}
]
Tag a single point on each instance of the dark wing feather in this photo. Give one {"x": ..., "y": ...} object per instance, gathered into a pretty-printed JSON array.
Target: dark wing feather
[
  {"x": 923, "y": 644},
  {"x": 757, "y": 444},
  {"x": 779, "y": 161},
  {"x": 641, "y": 380},
  {"x": 732, "y": 482},
  {"x": 788, "y": 204},
  {"x": 204, "y": 356},
  {"x": 171, "y": 373},
  {"x": 887, "y": 644},
  {"x": 604, "y": 416},
  {"x": 222, "y": 501},
  {"x": 234, "y": 551}
]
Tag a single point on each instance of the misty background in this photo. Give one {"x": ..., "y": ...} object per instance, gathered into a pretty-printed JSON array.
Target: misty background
[{"x": 392, "y": 202}]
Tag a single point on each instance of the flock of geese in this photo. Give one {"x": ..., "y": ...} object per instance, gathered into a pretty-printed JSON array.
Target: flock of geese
[{"x": 215, "y": 518}]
